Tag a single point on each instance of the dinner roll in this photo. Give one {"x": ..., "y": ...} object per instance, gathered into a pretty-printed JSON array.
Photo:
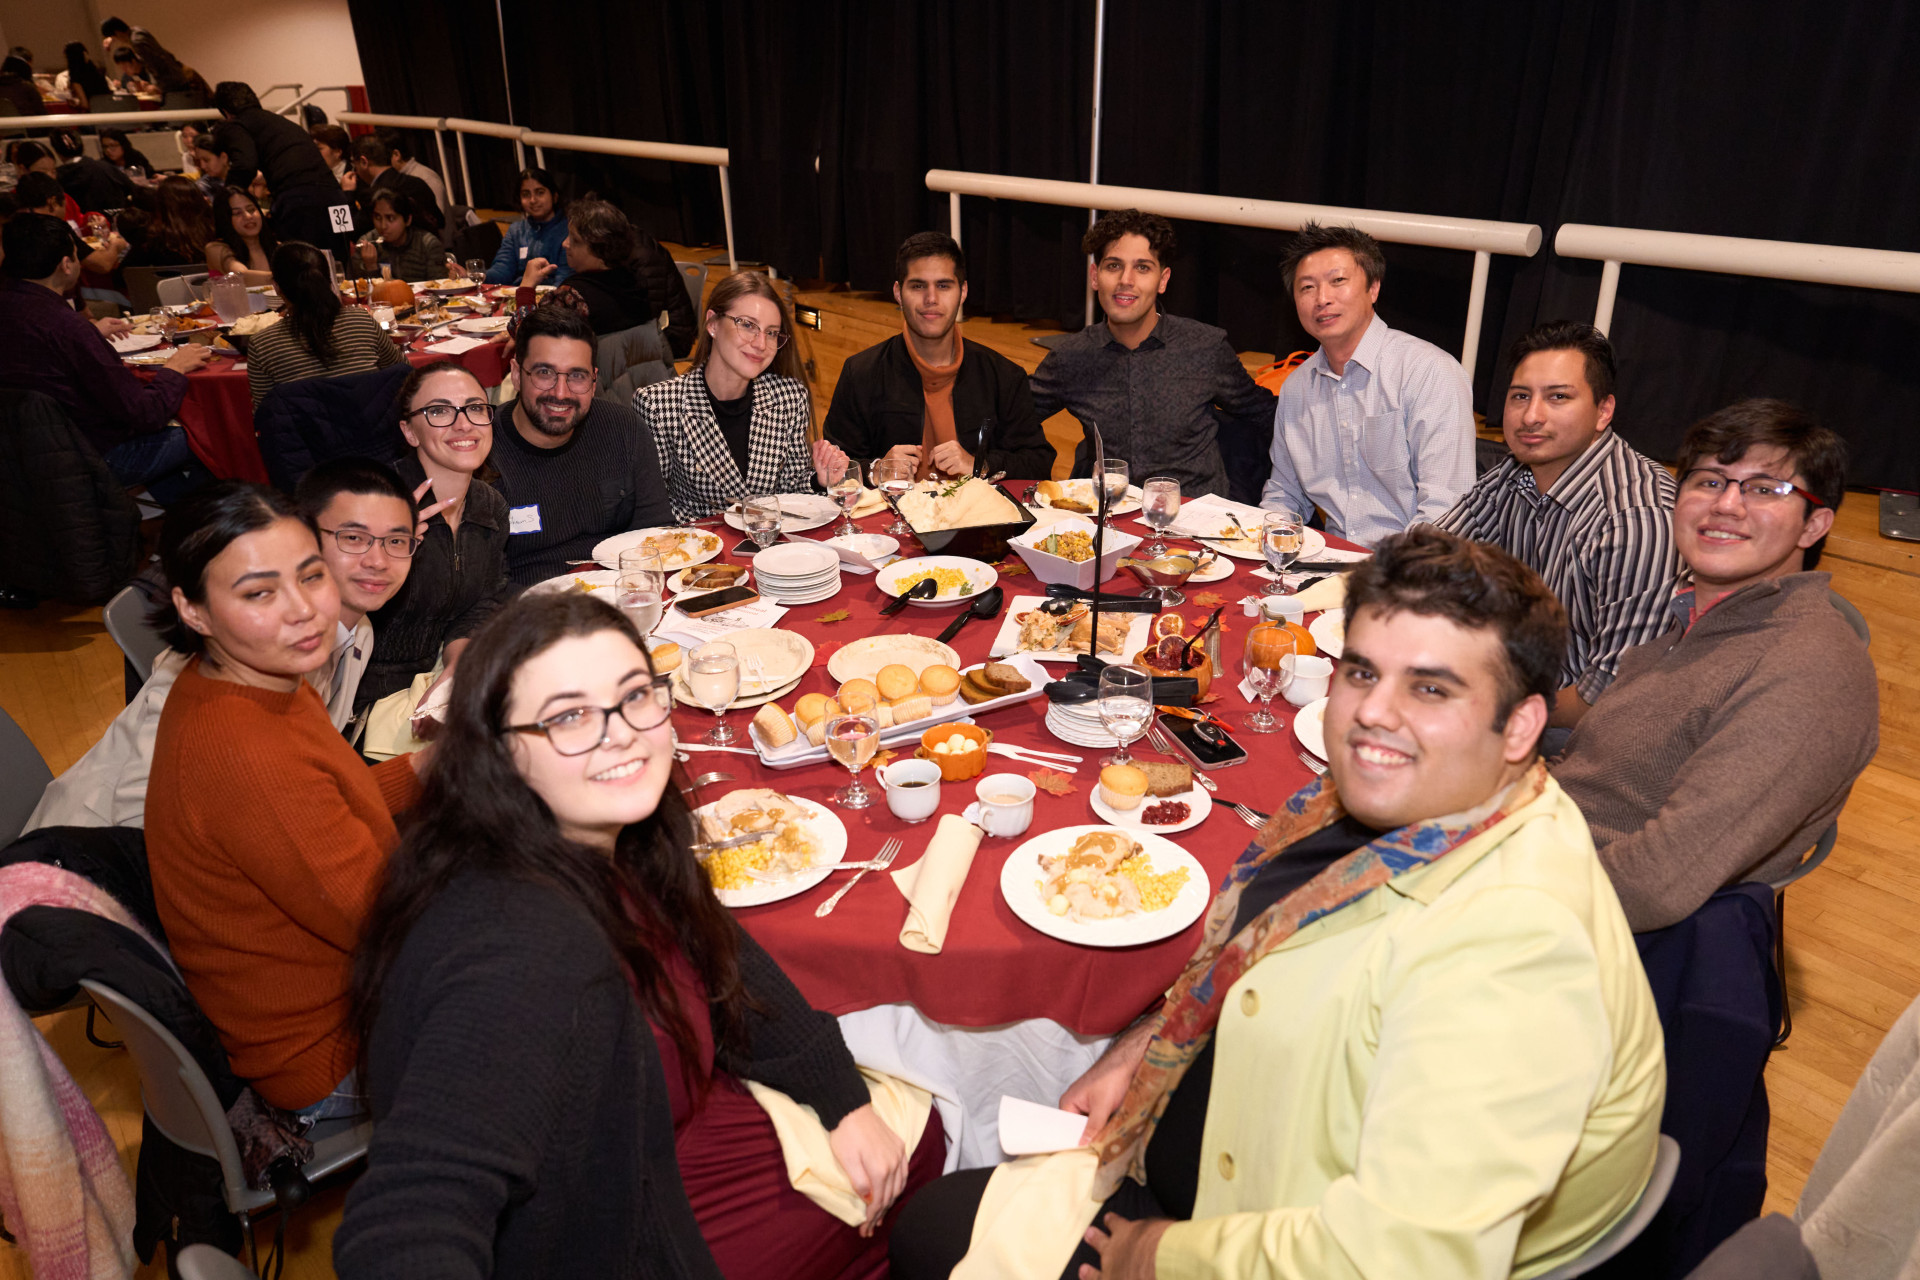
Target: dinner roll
[
  {"x": 1122, "y": 785},
  {"x": 666, "y": 657},
  {"x": 896, "y": 681},
  {"x": 812, "y": 708},
  {"x": 774, "y": 725},
  {"x": 939, "y": 682},
  {"x": 859, "y": 695}
]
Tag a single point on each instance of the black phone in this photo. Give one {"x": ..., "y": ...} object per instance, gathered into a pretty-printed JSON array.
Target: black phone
[
  {"x": 745, "y": 547},
  {"x": 708, "y": 602},
  {"x": 1204, "y": 744}
]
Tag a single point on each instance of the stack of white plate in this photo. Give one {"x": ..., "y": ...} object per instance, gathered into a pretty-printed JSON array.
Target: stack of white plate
[
  {"x": 797, "y": 572},
  {"x": 1079, "y": 724}
]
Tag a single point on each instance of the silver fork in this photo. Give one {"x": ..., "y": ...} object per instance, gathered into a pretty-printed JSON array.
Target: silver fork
[
  {"x": 1252, "y": 817},
  {"x": 888, "y": 852},
  {"x": 1310, "y": 762},
  {"x": 1158, "y": 739}
]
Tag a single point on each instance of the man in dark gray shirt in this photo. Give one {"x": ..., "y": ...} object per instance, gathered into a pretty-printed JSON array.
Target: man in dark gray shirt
[
  {"x": 573, "y": 469},
  {"x": 1157, "y": 385}
]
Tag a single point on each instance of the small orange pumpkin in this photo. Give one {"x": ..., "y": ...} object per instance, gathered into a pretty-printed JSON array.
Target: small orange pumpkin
[{"x": 1270, "y": 642}]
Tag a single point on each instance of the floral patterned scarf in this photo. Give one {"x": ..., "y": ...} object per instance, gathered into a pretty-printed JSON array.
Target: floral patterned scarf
[{"x": 1186, "y": 1020}]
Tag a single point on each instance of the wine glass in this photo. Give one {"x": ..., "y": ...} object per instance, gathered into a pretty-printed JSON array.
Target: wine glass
[
  {"x": 1113, "y": 475},
  {"x": 476, "y": 269},
  {"x": 1126, "y": 705},
  {"x": 852, "y": 739},
  {"x": 1268, "y": 647},
  {"x": 845, "y": 489},
  {"x": 894, "y": 478},
  {"x": 713, "y": 677},
  {"x": 1282, "y": 534},
  {"x": 760, "y": 514},
  {"x": 641, "y": 595},
  {"x": 1160, "y": 499}
]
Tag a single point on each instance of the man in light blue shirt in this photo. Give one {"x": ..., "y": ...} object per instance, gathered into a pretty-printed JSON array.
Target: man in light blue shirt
[{"x": 1376, "y": 428}]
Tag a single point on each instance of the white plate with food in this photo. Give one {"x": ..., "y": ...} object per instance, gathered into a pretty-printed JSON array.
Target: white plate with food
[
  {"x": 805, "y": 841},
  {"x": 801, "y": 751},
  {"x": 862, "y": 659},
  {"x": 1329, "y": 632},
  {"x": 1163, "y": 778},
  {"x": 1215, "y": 570},
  {"x": 961, "y": 580},
  {"x": 593, "y": 582},
  {"x": 677, "y": 548},
  {"x": 1069, "y": 883},
  {"x": 442, "y": 286},
  {"x": 483, "y": 324},
  {"x": 772, "y": 661},
  {"x": 1310, "y": 726},
  {"x": 1079, "y": 496},
  {"x": 148, "y": 358},
  {"x": 683, "y": 694},
  {"x": 709, "y": 577},
  {"x": 1247, "y": 547},
  {"x": 1026, "y": 629},
  {"x": 129, "y": 343},
  {"x": 798, "y": 512}
]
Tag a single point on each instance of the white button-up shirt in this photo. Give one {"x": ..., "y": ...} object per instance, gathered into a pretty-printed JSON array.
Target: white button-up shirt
[{"x": 1384, "y": 445}]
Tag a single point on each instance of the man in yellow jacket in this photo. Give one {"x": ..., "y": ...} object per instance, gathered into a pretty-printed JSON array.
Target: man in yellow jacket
[{"x": 1415, "y": 1040}]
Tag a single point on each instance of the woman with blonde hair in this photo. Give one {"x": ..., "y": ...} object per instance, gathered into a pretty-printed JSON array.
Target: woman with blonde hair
[{"x": 738, "y": 422}]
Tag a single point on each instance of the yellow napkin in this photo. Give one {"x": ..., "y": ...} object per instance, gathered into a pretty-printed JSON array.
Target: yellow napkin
[
  {"x": 811, "y": 1167},
  {"x": 1328, "y": 593},
  {"x": 870, "y": 503},
  {"x": 1032, "y": 1217},
  {"x": 390, "y": 720},
  {"x": 932, "y": 885}
]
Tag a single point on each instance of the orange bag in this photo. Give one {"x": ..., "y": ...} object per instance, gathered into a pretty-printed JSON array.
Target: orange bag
[{"x": 1276, "y": 373}]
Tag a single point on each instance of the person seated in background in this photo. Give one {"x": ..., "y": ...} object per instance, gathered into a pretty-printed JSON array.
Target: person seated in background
[
  {"x": 1578, "y": 505},
  {"x": 1376, "y": 428},
  {"x": 405, "y": 250},
  {"x": 30, "y": 158},
  {"x": 95, "y": 185},
  {"x": 242, "y": 240},
  {"x": 87, "y": 82},
  {"x": 17, "y": 88},
  {"x": 924, "y": 396},
  {"x": 127, "y": 77},
  {"x": 176, "y": 233},
  {"x": 369, "y": 513},
  {"x": 162, "y": 70},
  {"x": 1153, "y": 382},
  {"x": 460, "y": 571},
  {"x": 600, "y": 247},
  {"x": 1416, "y": 1039},
  {"x": 39, "y": 192},
  {"x": 374, "y": 173},
  {"x": 46, "y": 346},
  {"x": 1723, "y": 748},
  {"x": 318, "y": 336},
  {"x": 335, "y": 148},
  {"x": 280, "y": 151},
  {"x": 267, "y": 835},
  {"x": 400, "y": 156},
  {"x": 573, "y": 468},
  {"x": 736, "y": 423},
  {"x": 541, "y": 234},
  {"x": 118, "y": 150},
  {"x": 564, "y": 924},
  {"x": 213, "y": 160}
]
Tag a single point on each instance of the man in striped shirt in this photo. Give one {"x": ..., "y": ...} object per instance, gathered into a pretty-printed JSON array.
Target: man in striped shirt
[{"x": 1578, "y": 505}]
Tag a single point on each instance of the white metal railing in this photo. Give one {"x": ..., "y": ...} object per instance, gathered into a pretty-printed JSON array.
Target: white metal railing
[
  {"x": 1730, "y": 255},
  {"x": 82, "y": 120},
  {"x": 1478, "y": 236}
]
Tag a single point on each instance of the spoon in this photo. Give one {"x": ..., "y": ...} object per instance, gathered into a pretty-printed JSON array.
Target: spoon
[
  {"x": 986, "y": 606},
  {"x": 925, "y": 589}
]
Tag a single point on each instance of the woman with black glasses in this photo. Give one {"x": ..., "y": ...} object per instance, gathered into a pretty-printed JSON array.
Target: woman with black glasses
[
  {"x": 317, "y": 336},
  {"x": 459, "y": 574}
]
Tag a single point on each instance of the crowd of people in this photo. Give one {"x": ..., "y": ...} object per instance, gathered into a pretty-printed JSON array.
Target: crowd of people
[{"x": 1556, "y": 725}]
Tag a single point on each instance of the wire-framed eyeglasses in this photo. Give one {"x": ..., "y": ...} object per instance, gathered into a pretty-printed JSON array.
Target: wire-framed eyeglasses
[
  {"x": 579, "y": 730},
  {"x": 750, "y": 329},
  {"x": 357, "y": 542},
  {"x": 480, "y": 414},
  {"x": 1703, "y": 480},
  {"x": 542, "y": 377}
]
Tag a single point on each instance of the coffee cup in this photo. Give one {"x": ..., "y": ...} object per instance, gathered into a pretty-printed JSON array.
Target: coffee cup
[
  {"x": 913, "y": 789},
  {"x": 1005, "y": 804},
  {"x": 1281, "y": 609},
  {"x": 1310, "y": 677}
]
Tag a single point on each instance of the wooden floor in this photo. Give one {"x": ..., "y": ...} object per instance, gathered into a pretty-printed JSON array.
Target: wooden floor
[{"x": 1853, "y": 928}]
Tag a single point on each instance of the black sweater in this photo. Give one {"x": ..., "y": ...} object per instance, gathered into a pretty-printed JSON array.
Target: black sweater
[
  {"x": 667, "y": 289},
  {"x": 878, "y": 403},
  {"x": 521, "y": 1118},
  {"x": 262, "y": 142},
  {"x": 616, "y": 299}
]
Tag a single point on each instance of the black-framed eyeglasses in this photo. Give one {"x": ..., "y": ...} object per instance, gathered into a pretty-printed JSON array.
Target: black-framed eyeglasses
[
  {"x": 1712, "y": 484},
  {"x": 579, "y": 730},
  {"x": 750, "y": 329},
  {"x": 480, "y": 414},
  {"x": 357, "y": 542},
  {"x": 544, "y": 376}
]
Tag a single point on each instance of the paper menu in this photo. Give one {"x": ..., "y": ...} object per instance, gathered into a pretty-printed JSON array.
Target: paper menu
[
  {"x": 1029, "y": 1129},
  {"x": 454, "y": 346},
  {"x": 676, "y": 625},
  {"x": 1206, "y": 516}
]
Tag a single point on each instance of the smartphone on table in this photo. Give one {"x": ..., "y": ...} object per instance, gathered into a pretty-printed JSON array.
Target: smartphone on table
[{"x": 1205, "y": 744}]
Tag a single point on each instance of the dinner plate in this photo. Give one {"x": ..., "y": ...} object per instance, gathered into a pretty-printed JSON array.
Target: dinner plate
[
  {"x": 147, "y": 358},
  {"x": 862, "y": 659},
  {"x": 1310, "y": 726},
  {"x": 678, "y": 582},
  {"x": 1219, "y": 568},
  {"x": 697, "y": 546},
  {"x": 595, "y": 582},
  {"x": 1007, "y": 639},
  {"x": 827, "y": 830},
  {"x": 1019, "y": 885},
  {"x": 798, "y": 512},
  {"x": 1128, "y": 820},
  {"x": 1312, "y": 543},
  {"x": 442, "y": 286},
  {"x": 483, "y": 324},
  {"x": 784, "y": 656},
  {"x": 684, "y": 694},
  {"x": 1329, "y": 632},
  {"x": 800, "y": 561},
  {"x": 128, "y": 343},
  {"x": 1082, "y": 491},
  {"x": 980, "y": 578}
]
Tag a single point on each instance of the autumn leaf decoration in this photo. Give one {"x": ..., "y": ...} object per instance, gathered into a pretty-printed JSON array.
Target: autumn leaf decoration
[
  {"x": 1012, "y": 568},
  {"x": 838, "y": 615},
  {"x": 883, "y": 759},
  {"x": 1052, "y": 781},
  {"x": 1208, "y": 599}
]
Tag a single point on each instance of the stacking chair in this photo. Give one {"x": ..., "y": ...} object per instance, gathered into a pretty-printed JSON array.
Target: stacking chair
[
  {"x": 204, "y": 1262},
  {"x": 1666, "y": 1162},
  {"x": 1852, "y": 615},
  {"x": 181, "y": 1103},
  {"x": 694, "y": 275},
  {"x": 126, "y": 618},
  {"x": 1821, "y": 849},
  {"x": 23, "y": 776},
  {"x": 150, "y": 287},
  {"x": 179, "y": 290}
]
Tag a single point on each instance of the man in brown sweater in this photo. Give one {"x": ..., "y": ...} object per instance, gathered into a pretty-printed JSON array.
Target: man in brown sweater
[{"x": 1725, "y": 747}]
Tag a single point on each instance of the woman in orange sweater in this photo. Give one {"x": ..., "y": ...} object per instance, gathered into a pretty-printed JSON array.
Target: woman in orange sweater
[{"x": 266, "y": 832}]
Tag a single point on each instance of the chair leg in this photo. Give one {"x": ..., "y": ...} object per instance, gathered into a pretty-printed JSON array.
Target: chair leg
[
  {"x": 1780, "y": 966},
  {"x": 93, "y": 1039},
  {"x": 253, "y": 1246}
]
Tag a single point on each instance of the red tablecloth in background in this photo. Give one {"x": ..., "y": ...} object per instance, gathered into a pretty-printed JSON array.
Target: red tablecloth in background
[{"x": 994, "y": 968}]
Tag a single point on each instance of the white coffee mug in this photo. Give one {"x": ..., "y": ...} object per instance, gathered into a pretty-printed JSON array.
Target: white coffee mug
[
  {"x": 1310, "y": 678},
  {"x": 1005, "y": 805},
  {"x": 915, "y": 802},
  {"x": 1281, "y": 609}
]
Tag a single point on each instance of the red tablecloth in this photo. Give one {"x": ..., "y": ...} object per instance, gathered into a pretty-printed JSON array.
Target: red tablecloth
[{"x": 994, "y": 968}]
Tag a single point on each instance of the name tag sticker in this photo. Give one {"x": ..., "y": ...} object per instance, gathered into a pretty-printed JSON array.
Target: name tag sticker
[
  {"x": 341, "y": 217},
  {"x": 523, "y": 519},
  {"x": 523, "y": 252}
]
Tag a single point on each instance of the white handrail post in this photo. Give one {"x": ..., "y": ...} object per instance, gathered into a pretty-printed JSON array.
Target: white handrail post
[
  {"x": 519, "y": 155},
  {"x": 726, "y": 213},
  {"x": 466, "y": 173},
  {"x": 440, "y": 145},
  {"x": 1476, "y": 307},
  {"x": 1093, "y": 168},
  {"x": 953, "y": 215},
  {"x": 540, "y": 156},
  {"x": 1609, "y": 288}
]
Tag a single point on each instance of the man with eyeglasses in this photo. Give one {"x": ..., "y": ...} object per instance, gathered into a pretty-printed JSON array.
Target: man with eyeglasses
[
  {"x": 1724, "y": 747},
  {"x": 574, "y": 469}
]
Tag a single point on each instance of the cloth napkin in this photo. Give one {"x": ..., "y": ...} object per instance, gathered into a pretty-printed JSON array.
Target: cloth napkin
[
  {"x": 811, "y": 1167},
  {"x": 932, "y": 885},
  {"x": 1328, "y": 593},
  {"x": 871, "y": 503},
  {"x": 390, "y": 720}
]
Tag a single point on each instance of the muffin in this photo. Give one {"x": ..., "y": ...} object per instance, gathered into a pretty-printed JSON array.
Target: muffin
[
  {"x": 859, "y": 695},
  {"x": 774, "y": 725},
  {"x": 812, "y": 708},
  {"x": 666, "y": 656},
  {"x": 941, "y": 683},
  {"x": 896, "y": 681},
  {"x": 1122, "y": 785}
]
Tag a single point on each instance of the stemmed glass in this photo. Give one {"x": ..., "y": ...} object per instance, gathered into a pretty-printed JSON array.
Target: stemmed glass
[
  {"x": 476, "y": 269},
  {"x": 1160, "y": 503},
  {"x": 1268, "y": 647},
  {"x": 1126, "y": 705},
  {"x": 760, "y": 513},
  {"x": 845, "y": 489},
  {"x": 894, "y": 478},
  {"x": 641, "y": 594},
  {"x": 1113, "y": 474},
  {"x": 713, "y": 677},
  {"x": 1282, "y": 534},
  {"x": 852, "y": 739}
]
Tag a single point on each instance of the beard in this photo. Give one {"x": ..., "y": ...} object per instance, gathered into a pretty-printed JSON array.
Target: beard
[{"x": 553, "y": 416}]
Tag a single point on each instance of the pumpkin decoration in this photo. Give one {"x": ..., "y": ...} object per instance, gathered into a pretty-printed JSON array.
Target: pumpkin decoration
[{"x": 1270, "y": 642}]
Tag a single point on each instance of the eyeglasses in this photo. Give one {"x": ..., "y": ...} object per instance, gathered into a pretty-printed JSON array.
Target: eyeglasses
[
  {"x": 1754, "y": 488},
  {"x": 544, "y": 376},
  {"x": 442, "y": 415},
  {"x": 749, "y": 330},
  {"x": 579, "y": 730},
  {"x": 356, "y": 542}
]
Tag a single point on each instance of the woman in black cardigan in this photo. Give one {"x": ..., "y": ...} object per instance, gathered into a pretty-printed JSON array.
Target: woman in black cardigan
[{"x": 545, "y": 939}]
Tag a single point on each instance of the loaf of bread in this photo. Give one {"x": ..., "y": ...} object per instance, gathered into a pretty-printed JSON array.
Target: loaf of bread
[{"x": 1165, "y": 780}]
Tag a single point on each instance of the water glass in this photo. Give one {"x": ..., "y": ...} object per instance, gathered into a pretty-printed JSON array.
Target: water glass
[
  {"x": 845, "y": 488},
  {"x": 1113, "y": 475},
  {"x": 761, "y": 514},
  {"x": 641, "y": 595},
  {"x": 1282, "y": 535},
  {"x": 894, "y": 478},
  {"x": 1126, "y": 706},
  {"x": 476, "y": 269},
  {"x": 713, "y": 677},
  {"x": 1268, "y": 669},
  {"x": 1160, "y": 502},
  {"x": 852, "y": 740}
]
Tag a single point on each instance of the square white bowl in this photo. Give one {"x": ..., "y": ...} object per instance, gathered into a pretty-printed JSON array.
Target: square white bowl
[{"x": 1050, "y": 568}]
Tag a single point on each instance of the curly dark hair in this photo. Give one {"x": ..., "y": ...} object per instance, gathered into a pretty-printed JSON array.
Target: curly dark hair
[
  {"x": 1313, "y": 237},
  {"x": 604, "y": 229},
  {"x": 1130, "y": 222}
]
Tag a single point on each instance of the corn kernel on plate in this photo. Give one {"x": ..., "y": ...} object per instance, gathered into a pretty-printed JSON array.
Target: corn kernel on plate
[
  {"x": 1166, "y": 903},
  {"x": 805, "y": 841},
  {"x": 960, "y": 579}
]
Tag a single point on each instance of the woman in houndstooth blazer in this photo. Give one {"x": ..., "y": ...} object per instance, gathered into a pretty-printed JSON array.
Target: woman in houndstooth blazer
[{"x": 737, "y": 422}]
